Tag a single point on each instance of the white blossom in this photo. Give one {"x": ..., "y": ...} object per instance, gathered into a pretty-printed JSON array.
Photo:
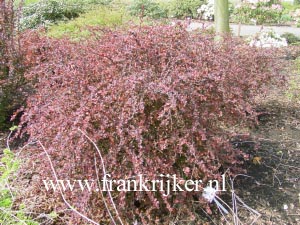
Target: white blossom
[
  {"x": 207, "y": 10},
  {"x": 268, "y": 39}
]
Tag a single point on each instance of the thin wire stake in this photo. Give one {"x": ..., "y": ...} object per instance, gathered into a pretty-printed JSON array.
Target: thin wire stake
[{"x": 106, "y": 206}]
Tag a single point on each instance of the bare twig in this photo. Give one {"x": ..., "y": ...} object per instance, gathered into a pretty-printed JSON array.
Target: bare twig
[
  {"x": 104, "y": 172},
  {"x": 61, "y": 192}
]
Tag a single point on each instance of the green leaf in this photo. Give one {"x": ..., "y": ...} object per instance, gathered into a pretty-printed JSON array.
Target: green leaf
[{"x": 13, "y": 128}]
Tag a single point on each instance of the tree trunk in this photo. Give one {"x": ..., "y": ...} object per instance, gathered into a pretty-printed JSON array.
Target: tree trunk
[{"x": 221, "y": 17}]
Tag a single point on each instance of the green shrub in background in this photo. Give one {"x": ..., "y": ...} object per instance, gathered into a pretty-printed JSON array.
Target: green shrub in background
[
  {"x": 291, "y": 38},
  {"x": 50, "y": 11},
  {"x": 147, "y": 8},
  {"x": 260, "y": 12},
  {"x": 286, "y": 18},
  {"x": 187, "y": 8}
]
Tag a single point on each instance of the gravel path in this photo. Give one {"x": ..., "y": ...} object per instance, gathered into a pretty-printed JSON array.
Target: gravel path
[
  {"x": 247, "y": 30},
  {"x": 251, "y": 30}
]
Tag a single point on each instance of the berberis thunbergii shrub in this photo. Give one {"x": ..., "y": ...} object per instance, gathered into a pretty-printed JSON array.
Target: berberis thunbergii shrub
[
  {"x": 156, "y": 100},
  {"x": 13, "y": 86}
]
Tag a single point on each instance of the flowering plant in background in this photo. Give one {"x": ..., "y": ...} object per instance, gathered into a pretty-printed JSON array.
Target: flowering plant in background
[
  {"x": 268, "y": 39},
  {"x": 260, "y": 11},
  {"x": 207, "y": 10},
  {"x": 296, "y": 16}
]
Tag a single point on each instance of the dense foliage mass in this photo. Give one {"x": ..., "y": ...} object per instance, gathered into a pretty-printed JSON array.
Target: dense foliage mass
[
  {"x": 13, "y": 89},
  {"x": 154, "y": 99}
]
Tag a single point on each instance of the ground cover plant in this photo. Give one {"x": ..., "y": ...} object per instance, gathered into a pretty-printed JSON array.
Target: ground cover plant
[
  {"x": 9, "y": 165},
  {"x": 154, "y": 100}
]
